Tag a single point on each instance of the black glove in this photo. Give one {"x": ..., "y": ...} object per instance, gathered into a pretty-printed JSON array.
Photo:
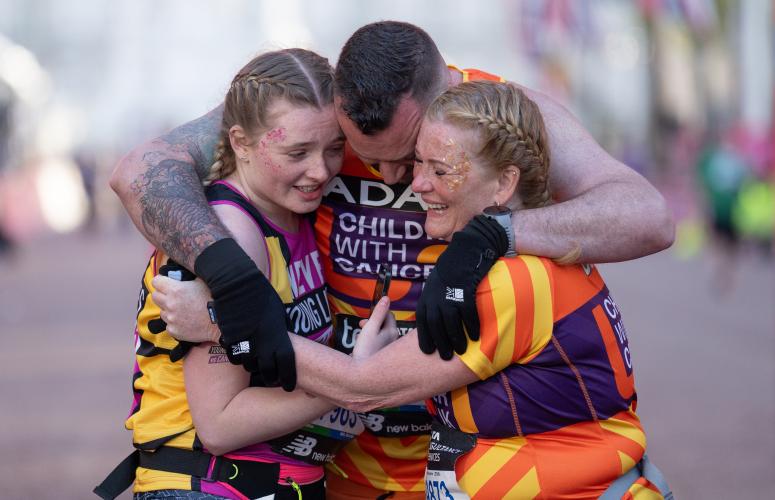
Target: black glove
[
  {"x": 448, "y": 300},
  {"x": 177, "y": 272},
  {"x": 249, "y": 313}
]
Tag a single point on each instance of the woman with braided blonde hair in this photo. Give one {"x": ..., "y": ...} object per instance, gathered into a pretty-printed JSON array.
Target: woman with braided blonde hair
[
  {"x": 202, "y": 427},
  {"x": 543, "y": 404}
]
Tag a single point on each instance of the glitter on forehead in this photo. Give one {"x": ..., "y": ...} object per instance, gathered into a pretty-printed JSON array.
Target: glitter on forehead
[{"x": 457, "y": 158}]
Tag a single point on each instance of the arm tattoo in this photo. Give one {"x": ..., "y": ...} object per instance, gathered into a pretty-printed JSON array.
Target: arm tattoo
[
  {"x": 175, "y": 212},
  {"x": 198, "y": 138},
  {"x": 217, "y": 355}
]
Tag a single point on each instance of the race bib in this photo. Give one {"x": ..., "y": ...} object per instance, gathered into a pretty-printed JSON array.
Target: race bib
[
  {"x": 447, "y": 445},
  {"x": 402, "y": 421},
  {"x": 317, "y": 442}
]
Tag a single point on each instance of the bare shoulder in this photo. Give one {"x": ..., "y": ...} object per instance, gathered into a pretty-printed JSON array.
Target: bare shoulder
[
  {"x": 245, "y": 232},
  {"x": 552, "y": 111}
]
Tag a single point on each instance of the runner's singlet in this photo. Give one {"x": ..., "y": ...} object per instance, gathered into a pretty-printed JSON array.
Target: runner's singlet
[
  {"x": 362, "y": 223},
  {"x": 553, "y": 414},
  {"x": 160, "y": 414}
]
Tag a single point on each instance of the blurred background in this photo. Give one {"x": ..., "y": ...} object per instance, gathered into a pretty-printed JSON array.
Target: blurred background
[{"x": 680, "y": 90}]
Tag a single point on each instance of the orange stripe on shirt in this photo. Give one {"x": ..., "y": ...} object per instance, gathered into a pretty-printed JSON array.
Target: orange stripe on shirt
[
  {"x": 524, "y": 305},
  {"x": 346, "y": 465},
  {"x": 488, "y": 318},
  {"x": 504, "y": 479},
  {"x": 462, "y": 409},
  {"x": 561, "y": 471},
  {"x": 468, "y": 460},
  {"x": 491, "y": 461},
  {"x": 625, "y": 384},
  {"x": 573, "y": 288},
  {"x": 625, "y": 434},
  {"x": 504, "y": 296},
  {"x": 396, "y": 464},
  {"x": 543, "y": 306}
]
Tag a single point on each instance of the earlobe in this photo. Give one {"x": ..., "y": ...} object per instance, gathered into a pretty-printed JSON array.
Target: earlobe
[
  {"x": 238, "y": 141},
  {"x": 508, "y": 179}
]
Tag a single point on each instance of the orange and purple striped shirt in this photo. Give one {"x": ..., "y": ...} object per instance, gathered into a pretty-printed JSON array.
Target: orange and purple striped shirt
[{"x": 554, "y": 409}]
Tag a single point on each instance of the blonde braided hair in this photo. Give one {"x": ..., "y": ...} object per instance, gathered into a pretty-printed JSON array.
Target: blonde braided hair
[
  {"x": 299, "y": 76},
  {"x": 510, "y": 130}
]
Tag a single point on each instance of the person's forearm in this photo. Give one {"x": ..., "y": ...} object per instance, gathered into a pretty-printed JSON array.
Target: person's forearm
[
  {"x": 257, "y": 414},
  {"x": 397, "y": 374},
  {"x": 606, "y": 210},
  {"x": 329, "y": 374},
  {"x": 160, "y": 185},
  {"x": 612, "y": 222}
]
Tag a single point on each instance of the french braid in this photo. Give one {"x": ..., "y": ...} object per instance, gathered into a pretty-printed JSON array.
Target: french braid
[
  {"x": 296, "y": 75},
  {"x": 510, "y": 128},
  {"x": 511, "y": 132}
]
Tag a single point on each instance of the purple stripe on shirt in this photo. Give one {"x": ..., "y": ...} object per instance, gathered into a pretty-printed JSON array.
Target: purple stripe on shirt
[{"x": 546, "y": 390}]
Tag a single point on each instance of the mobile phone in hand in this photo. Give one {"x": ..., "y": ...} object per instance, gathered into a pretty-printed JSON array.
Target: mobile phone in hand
[{"x": 382, "y": 287}]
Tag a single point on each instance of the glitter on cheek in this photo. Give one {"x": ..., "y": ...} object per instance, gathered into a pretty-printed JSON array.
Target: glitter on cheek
[
  {"x": 274, "y": 136},
  {"x": 456, "y": 157},
  {"x": 453, "y": 181}
]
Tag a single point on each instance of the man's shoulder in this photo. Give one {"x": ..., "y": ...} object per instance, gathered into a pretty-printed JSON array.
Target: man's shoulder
[{"x": 471, "y": 74}]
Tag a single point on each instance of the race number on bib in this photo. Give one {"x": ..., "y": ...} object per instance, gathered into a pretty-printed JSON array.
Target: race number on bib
[{"x": 447, "y": 445}]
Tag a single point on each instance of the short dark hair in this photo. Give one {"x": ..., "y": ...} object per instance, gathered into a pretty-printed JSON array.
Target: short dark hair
[{"x": 379, "y": 64}]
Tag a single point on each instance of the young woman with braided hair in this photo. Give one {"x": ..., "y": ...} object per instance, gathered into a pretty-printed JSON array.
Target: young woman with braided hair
[
  {"x": 543, "y": 404},
  {"x": 204, "y": 428}
]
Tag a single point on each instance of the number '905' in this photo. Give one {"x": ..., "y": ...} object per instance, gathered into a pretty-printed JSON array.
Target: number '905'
[{"x": 344, "y": 417}]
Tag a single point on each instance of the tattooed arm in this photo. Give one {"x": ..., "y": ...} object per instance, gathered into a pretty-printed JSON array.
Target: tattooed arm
[{"x": 160, "y": 185}]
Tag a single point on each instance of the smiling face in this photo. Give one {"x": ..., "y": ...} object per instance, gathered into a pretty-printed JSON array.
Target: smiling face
[
  {"x": 283, "y": 170},
  {"x": 454, "y": 184}
]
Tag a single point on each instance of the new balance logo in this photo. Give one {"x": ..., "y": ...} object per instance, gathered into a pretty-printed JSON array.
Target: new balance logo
[
  {"x": 455, "y": 294},
  {"x": 301, "y": 446},
  {"x": 240, "y": 348},
  {"x": 372, "y": 420}
]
